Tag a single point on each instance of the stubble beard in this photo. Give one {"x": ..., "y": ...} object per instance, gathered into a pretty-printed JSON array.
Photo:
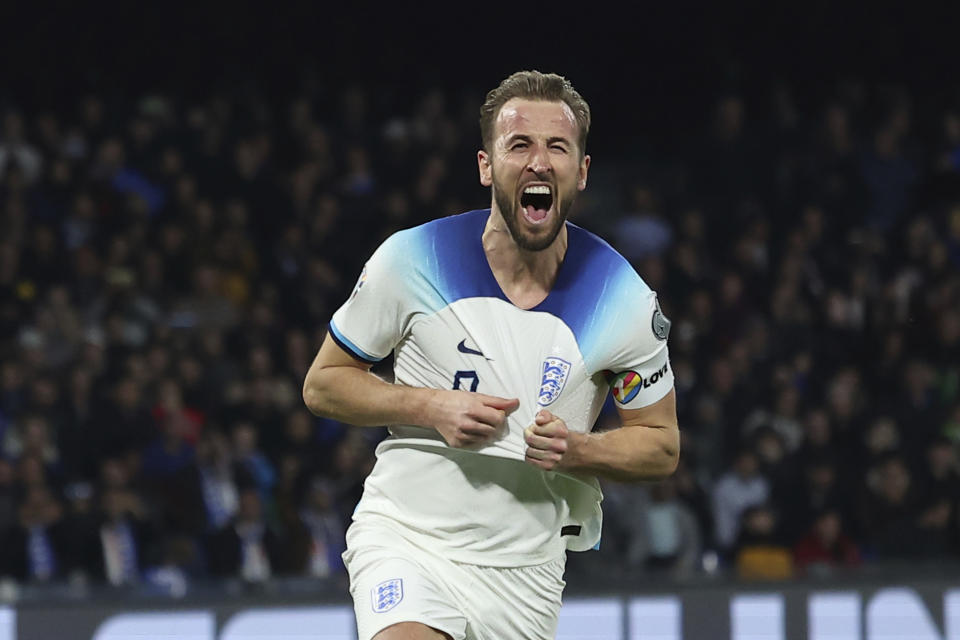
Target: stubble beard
[{"x": 510, "y": 211}]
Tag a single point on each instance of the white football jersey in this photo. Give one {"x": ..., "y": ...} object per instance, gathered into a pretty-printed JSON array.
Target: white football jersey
[{"x": 428, "y": 295}]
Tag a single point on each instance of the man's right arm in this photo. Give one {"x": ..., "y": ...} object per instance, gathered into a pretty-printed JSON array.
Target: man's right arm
[{"x": 340, "y": 387}]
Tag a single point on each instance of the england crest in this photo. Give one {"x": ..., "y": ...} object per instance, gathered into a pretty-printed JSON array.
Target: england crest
[
  {"x": 552, "y": 379},
  {"x": 386, "y": 595}
]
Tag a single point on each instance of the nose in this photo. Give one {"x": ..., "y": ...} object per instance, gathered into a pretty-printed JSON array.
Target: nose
[{"x": 539, "y": 160}]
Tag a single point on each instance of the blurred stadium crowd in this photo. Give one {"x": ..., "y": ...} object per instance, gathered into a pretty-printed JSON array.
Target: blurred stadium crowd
[{"x": 167, "y": 270}]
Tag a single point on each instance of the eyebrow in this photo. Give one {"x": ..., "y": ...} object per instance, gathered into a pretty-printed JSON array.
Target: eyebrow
[{"x": 525, "y": 138}]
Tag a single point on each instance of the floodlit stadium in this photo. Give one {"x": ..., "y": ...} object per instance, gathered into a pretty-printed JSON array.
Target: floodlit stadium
[{"x": 188, "y": 197}]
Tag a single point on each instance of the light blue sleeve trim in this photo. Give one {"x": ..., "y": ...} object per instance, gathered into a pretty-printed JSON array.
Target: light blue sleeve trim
[{"x": 344, "y": 342}]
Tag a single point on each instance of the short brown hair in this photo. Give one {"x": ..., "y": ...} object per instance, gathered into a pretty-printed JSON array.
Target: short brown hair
[{"x": 534, "y": 85}]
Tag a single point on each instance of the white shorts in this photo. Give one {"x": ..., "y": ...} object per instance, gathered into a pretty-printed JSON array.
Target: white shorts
[{"x": 392, "y": 580}]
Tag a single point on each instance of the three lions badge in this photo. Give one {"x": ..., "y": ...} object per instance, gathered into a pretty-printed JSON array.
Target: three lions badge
[
  {"x": 553, "y": 377},
  {"x": 386, "y": 595}
]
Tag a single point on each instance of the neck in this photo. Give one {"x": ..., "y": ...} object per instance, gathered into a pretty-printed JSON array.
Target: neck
[{"x": 526, "y": 277}]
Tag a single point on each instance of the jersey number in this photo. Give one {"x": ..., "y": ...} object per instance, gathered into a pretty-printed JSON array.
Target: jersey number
[{"x": 462, "y": 376}]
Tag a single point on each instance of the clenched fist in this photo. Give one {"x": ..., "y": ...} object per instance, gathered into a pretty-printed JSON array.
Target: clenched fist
[
  {"x": 546, "y": 441},
  {"x": 465, "y": 418}
]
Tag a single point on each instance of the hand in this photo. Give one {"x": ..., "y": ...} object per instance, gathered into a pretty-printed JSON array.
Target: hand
[
  {"x": 546, "y": 441},
  {"x": 466, "y": 418}
]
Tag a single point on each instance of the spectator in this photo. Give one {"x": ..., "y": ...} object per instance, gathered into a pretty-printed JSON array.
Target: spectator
[
  {"x": 120, "y": 423},
  {"x": 774, "y": 465},
  {"x": 247, "y": 546},
  {"x": 15, "y": 150},
  {"x": 34, "y": 547},
  {"x": 81, "y": 533},
  {"x": 170, "y": 451},
  {"x": 668, "y": 539},
  {"x": 951, "y": 426},
  {"x": 760, "y": 553},
  {"x": 888, "y": 514},
  {"x": 253, "y": 462},
  {"x": 941, "y": 474},
  {"x": 688, "y": 483},
  {"x": 736, "y": 490},
  {"x": 880, "y": 439},
  {"x": 820, "y": 488},
  {"x": 325, "y": 530},
  {"x": 783, "y": 420},
  {"x": 934, "y": 527},
  {"x": 825, "y": 547},
  {"x": 124, "y": 537},
  {"x": 32, "y": 437},
  {"x": 8, "y": 498},
  {"x": 203, "y": 496},
  {"x": 301, "y": 439},
  {"x": 888, "y": 173}
]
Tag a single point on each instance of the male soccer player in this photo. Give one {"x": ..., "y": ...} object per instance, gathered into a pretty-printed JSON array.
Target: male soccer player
[{"x": 508, "y": 326}]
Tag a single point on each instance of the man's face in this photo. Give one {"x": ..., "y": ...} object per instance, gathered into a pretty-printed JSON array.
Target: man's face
[{"x": 535, "y": 168}]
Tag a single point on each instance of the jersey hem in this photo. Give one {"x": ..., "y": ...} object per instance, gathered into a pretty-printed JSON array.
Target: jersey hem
[{"x": 362, "y": 519}]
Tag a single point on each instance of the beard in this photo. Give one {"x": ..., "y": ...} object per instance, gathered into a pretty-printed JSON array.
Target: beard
[{"x": 509, "y": 204}]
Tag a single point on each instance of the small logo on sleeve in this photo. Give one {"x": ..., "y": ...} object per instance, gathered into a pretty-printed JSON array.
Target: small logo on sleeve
[
  {"x": 660, "y": 324},
  {"x": 552, "y": 380},
  {"x": 386, "y": 595},
  {"x": 360, "y": 281},
  {"x": 625, "y": 386}
]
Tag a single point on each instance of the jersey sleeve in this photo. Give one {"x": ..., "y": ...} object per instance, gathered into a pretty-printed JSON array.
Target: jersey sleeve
[
  {"x": 638, "y": 369},
  {"x": 371, "y": 322}
]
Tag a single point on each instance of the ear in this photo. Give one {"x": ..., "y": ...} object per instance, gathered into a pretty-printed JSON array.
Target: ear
[
  {"x": 582, "y": 178},
  {"x": 486, "y": 171}
]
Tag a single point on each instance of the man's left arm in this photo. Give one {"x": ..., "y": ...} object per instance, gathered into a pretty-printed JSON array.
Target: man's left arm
[{"x": 645, "y": 447}]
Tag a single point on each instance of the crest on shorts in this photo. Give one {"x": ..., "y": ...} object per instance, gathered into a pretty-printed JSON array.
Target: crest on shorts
[
  {"x": 386, "y": 595},
  {"x": 553, "y": 377}
]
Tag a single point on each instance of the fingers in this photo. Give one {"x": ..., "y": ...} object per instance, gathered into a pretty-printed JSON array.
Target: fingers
[
  {"x": 543, "y": 417},
  {"x": 478, "y": 430},
  {"x": 555, "y": 441},
  {"x": 546, "y": 441},
  {"x": 488, "y": 415},
  {"x": 546, "y": 460},
  {"x": 551, "y": 428},
  {"x": 470, "y": 434},
  {"x": 503, "y": 404},
  {"x": 468, "y": 441},
  {"x": 480, "y": 424}
]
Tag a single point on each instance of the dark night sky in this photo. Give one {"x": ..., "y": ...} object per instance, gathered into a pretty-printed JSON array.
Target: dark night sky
[{"x": 636, "y": 67}]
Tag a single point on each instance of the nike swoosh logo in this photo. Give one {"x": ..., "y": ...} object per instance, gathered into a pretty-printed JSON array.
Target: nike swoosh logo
[{"x": 463, "y": 348}]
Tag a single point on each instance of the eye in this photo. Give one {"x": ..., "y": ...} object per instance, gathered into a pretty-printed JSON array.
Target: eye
[
  {"x": 558, "y": 147},
  {"x": 518, "y": 146}
]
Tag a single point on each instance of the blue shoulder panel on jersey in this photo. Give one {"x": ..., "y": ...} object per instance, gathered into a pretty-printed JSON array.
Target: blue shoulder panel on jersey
[
  {"x": 593, "y": 280},
  {"x": 454, "y": 261},
  {"x": 349, "y": 347},
  {"x": 594, "y": 283}
]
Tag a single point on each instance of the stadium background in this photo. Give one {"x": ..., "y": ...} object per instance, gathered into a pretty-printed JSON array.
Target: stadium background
[{"x": 187, "y": 194}]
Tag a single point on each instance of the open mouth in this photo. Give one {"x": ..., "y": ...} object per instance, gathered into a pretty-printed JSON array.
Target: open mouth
[{"x": 536, "y": 201}]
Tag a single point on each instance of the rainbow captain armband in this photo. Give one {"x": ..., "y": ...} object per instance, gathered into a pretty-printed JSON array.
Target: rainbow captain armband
[{"x": 627, "y": 385}]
